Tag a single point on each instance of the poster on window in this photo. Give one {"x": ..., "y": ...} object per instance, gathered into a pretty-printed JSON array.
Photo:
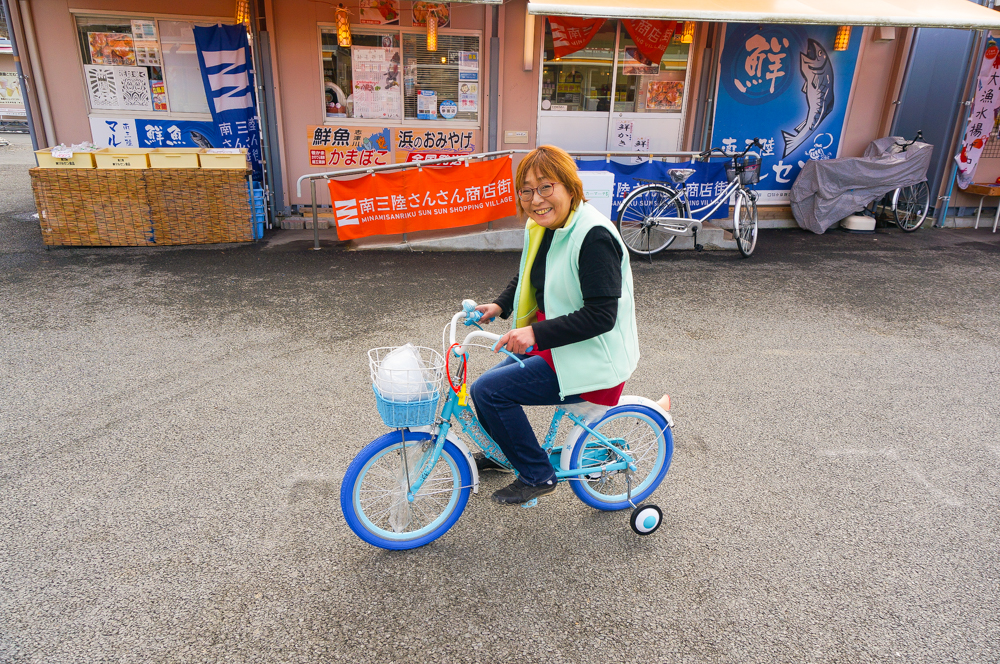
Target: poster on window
[
  {"x": 102, "y": 86},
  {"x": 426, "y": 105},
  {"x": 376, "y": 91},
  {"x": 468, "y": 97},
  {"x": 665, "y": 96},
  {"x": 349, "y": 147},
  {"x": 133, "y": 89},
  {"x": 637, "y": 64},
  {"x": 144, "y": 31},
  {"x": 380, "y": 12},
  {"x": 441, "y": 9},
  {"x": 787, "y": 86},
  {"x": 425, "y": 199},
  {"x": 10, "y": 89},
  {"x": 111, "y": 48}
]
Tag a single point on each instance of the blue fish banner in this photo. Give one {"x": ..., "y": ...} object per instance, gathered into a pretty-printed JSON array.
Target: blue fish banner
[
  {"x": 708, "y": 181},
  {"x": 226, "y": 71},
  {"x": 786, "y": 85}
]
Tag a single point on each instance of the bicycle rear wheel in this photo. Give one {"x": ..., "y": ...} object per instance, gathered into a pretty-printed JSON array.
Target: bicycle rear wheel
[
  {"x": 641, "y": 432},
  {"x": 745, "y": 223},
  {"x": 641, "y": 216},
  {"x": 910, "y": 206},
  {"x": 373, "y": 493}
]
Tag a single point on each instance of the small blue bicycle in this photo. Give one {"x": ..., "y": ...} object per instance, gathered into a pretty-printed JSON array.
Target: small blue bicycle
[{"x": 408, "y": 487}]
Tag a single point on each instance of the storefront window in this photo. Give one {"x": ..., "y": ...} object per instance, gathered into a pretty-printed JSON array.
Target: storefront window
[
  {"x": 376, "y": 78},
  {"x": 642, "y": 86},
  {"x": 582, "y": 81},
  {"x": 141, "y": 64}
]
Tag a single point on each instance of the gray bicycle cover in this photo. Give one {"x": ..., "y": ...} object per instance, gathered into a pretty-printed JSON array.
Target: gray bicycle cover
[{"x": 828, "y": 190}]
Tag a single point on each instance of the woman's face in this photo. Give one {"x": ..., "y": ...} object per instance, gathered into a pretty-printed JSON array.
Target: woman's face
[{"x": 552, "y": 211}]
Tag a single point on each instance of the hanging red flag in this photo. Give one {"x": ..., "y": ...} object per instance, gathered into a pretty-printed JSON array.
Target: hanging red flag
[
  {"x": 651, "y": 37},
  {"x": 570, "y": 34}
]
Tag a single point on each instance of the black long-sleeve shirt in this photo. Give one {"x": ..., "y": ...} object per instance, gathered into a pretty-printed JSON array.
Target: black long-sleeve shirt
[{"x": 600, "y": 284}]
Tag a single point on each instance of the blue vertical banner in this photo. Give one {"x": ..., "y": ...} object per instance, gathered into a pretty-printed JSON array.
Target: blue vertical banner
[
  {"x": 226, "y": 71},
  {"x": 786, "y": 85}
]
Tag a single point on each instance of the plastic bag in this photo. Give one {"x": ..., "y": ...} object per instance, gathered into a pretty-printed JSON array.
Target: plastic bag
[{"x": 403, "y": 376}]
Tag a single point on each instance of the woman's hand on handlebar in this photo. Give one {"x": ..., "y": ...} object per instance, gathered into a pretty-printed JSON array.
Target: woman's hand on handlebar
[
  {"x": 518, "y": 341},
  {"x": 488, "y": 311}
]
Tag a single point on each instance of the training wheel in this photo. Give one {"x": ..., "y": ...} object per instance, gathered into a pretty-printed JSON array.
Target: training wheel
[{"x": 646, "y": 519}]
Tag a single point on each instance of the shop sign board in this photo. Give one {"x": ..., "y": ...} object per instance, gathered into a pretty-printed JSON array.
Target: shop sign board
[
  {"x": 349, "y": 147},
  {"x": 708, "y": 181},
  {"x": 424, "y": 199},
  {"x": 417, "y": 145},
  {"x": 787, "y": 86},
  {"x": 153, "y": 133},
  {"x": 335, "y": 147},
  {"x": 982, "y": 117}
]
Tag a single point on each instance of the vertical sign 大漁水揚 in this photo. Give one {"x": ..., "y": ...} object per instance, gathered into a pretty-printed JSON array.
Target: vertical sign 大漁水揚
[
  {"x": 983, "y": 115},
  {"x": 787, "y": 86},
  {"x": 226, "y": 72}
]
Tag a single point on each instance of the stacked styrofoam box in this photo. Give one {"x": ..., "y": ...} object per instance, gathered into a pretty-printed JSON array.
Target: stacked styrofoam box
[{"x": 256, "y": 191}]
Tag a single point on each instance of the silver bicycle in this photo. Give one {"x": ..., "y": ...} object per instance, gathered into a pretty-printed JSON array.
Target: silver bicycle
[{"x": 654, "y": 214}]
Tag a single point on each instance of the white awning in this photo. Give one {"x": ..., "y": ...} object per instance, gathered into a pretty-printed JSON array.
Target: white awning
[{"x": 961, "y": 14}]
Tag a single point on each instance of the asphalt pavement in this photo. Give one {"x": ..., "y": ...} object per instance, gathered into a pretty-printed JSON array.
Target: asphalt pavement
[{"x": 175, "y": 425}]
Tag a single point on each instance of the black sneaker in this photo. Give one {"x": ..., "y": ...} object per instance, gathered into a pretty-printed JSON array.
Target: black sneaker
[
  {"x": 519, "y": 493},
  {"x": 483, "y": 463}
]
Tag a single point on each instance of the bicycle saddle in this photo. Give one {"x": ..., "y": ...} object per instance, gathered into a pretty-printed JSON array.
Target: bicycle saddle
[{"x": 680, "y": 175}]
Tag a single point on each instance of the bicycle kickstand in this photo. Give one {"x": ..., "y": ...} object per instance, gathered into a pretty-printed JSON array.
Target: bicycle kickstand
[{"x": 694, "y": 236}]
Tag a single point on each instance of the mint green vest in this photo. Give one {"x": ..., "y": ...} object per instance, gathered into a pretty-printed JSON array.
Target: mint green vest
[{"x": 606, "y": 360}]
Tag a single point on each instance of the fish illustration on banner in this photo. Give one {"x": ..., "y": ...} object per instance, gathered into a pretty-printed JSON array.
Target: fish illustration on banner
[
  {"x": 787, "y": 86},
  {"x": 226, "y": 72},
  {"x": 817, "y": 72}
]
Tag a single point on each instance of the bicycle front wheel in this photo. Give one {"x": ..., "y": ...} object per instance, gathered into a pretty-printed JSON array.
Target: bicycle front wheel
[
  {"x": 911, "y": 205},
  {"x": 373, "y": 493},
  {"x": 639, "y": 431},
  {"x": 745, "y": 223},
  {"x": 642, "y": 215}
]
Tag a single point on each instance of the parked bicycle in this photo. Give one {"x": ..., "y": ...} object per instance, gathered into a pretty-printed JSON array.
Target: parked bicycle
[
  {"x": 652, "y": 216},
  {"x": 408, "y": 487},
  {"x": 908, "y": 205}
]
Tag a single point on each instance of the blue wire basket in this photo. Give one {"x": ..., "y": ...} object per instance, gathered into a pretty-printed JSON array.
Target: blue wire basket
[{"x": 407, "y": 383}]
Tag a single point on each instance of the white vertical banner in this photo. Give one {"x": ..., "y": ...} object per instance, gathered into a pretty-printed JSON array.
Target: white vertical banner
[{"x": 983, "y": 115}]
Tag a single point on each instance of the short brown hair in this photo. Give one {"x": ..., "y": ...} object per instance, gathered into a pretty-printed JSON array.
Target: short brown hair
[{"x": 553, "y": 163}]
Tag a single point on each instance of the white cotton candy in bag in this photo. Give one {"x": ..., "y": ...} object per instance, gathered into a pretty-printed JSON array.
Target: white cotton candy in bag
[{"x": 403, "y": 376}]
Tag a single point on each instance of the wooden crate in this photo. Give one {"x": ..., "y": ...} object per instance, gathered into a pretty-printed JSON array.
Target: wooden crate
[
  {"x": 129, "y": 207},
  {"x": 174, "y": 158},
  {"x": 78, "y": 160},
  {"x": 123, "y": 158},
  {"x": 214, "y": 158}
]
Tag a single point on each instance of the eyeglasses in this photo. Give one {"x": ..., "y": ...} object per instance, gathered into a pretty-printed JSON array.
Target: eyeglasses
[{"x": 528, "y": 193}]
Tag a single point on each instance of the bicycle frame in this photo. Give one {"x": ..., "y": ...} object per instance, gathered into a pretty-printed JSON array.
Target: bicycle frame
[{"x": 467, "y": 420}]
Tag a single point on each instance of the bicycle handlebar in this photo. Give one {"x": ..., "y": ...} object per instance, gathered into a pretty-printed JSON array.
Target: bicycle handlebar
[
  {"x": 754, "y": 143},
  {"x": 471, "y": 315}
]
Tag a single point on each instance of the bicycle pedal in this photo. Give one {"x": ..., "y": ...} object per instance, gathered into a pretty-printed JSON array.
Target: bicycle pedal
[{"x": 530, "y": 503}]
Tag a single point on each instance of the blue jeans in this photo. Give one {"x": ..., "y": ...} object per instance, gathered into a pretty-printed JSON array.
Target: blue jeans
[{"x": 498, "y": 396}]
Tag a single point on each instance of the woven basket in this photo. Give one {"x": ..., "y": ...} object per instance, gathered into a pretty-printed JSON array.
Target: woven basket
[{"x": 118, "y": 208}]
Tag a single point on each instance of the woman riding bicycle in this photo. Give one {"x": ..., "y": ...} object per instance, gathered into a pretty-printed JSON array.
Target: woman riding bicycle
[{"x": 574, "y": 320}]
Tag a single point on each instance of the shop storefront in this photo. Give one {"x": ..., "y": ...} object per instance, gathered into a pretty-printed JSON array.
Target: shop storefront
[{"x": 377, "y": 82}]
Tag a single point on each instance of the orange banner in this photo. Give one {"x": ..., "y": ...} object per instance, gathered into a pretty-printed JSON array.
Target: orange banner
[
  {"x": 425, "y": 199},
  {"x": 651, "y": 37},
  {"x": 570, "y": 33}
]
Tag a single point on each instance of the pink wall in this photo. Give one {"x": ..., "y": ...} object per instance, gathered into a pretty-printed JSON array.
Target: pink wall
[
  {"x": 297, "y": 51},
  {"x": 62, "y": 70}
]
